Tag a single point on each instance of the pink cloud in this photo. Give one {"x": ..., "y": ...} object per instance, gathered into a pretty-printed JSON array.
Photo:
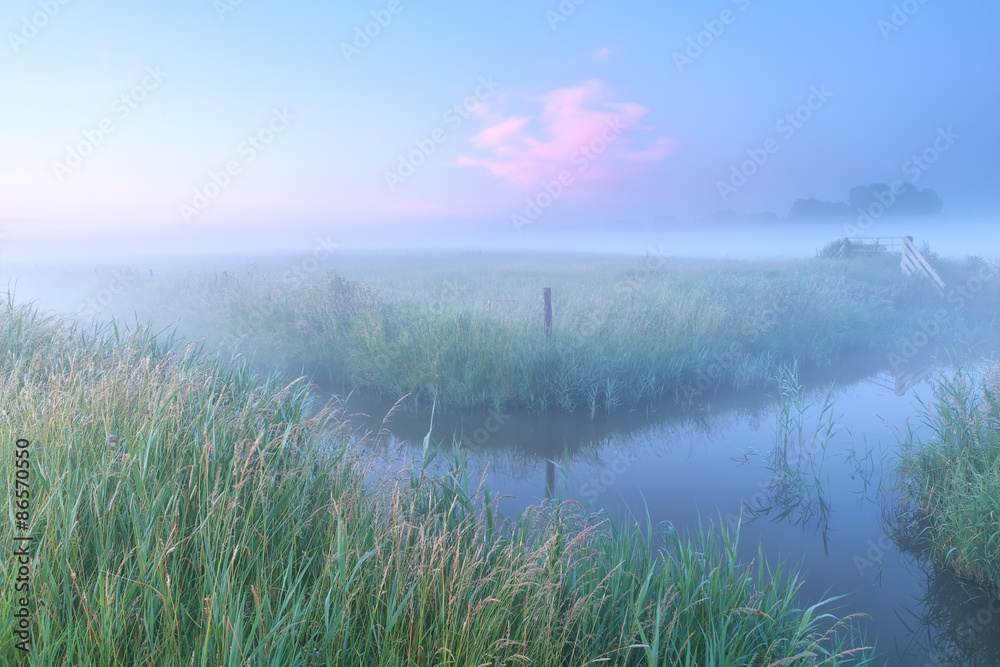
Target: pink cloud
[
  {"x": 496, "y": 135},
  {"x": 578, "y": 129}
]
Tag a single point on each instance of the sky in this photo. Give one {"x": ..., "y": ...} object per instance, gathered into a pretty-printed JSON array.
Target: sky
[{"x": 245, "y": 121}]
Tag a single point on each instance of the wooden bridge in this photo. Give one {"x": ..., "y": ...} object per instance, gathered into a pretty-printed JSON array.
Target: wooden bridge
[{"x": 911, "y": 262}]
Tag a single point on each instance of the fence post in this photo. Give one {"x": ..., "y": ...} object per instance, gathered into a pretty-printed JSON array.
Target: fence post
[{"x": 547, "y": 311}]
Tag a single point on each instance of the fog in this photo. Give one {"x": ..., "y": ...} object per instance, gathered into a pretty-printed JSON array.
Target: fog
[
  {"x": 948, "y": 235},
  {"x": 614, "y": 254},
  {"x": 64, "y": 275}
]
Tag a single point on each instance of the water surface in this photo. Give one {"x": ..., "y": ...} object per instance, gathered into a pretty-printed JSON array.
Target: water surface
[{"x": 818, "y": 503}]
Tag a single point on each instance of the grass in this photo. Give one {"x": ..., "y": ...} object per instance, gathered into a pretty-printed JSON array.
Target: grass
[
  {"x": 187, "y": 510},
  {"x": 465, "y": 330},
  {"x": 799, "y": 486},
  {"x": 952, "y": 477}
]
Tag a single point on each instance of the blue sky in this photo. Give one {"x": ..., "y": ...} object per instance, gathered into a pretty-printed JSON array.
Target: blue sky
[{"x": 185, "y": 87}]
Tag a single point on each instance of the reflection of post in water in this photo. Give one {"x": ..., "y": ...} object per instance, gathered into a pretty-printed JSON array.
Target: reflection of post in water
[
  {"x": 905, "y": 381},
  {"x": 904, "y": 377},
  {"x": 550, "y": 468}
]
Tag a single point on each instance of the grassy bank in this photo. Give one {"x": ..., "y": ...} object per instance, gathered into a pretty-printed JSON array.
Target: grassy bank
[
  {"x": 952, "y": 476},
  {"x": 467, "y": 330},
  {"x": 186, "y": 511}
]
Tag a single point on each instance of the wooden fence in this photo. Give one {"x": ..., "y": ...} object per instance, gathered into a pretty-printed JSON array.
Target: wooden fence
[
  {"x": 911, "y": 261},
  {"x": 914, "y": 262}
]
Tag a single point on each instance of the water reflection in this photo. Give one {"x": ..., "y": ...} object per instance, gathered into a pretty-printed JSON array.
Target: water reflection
[
  {"x": 801, "y": 468},
  {"x": 957, "y": 624},
  {"x": 949, "y": 621},
  {"x": 905, "y": 377},
  {"x": 797, "y": 490}
]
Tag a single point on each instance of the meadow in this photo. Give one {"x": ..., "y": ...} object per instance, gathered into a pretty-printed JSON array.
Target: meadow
[
  {"x": 187, "y": 510},
  {"x": 466, "y": 330}
]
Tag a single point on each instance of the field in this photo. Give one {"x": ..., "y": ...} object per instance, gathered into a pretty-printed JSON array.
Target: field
[
  {"x": 186, "y": 510},
  {"x": 193, "y": 499},
  {"x": 466, "y": 330}
]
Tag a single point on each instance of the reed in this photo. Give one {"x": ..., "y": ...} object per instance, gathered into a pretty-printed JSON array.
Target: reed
[
  {"x": 468, "y": 332},
  {"x": 187, "y": 510},
  {"x": 798, "y": 489},
  {"x": 951, "y": 476}
]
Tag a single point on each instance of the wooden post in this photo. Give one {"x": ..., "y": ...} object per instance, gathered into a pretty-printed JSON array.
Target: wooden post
[{"x": 547, "y": 311}]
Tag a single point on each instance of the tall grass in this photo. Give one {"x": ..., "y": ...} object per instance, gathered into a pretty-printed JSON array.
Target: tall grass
[
  {"x": 799, "y": 487},
  {"x": 467, "y": 332},
  {"x": 952, "y": 476},
  {"x": 187, "y": 511}
]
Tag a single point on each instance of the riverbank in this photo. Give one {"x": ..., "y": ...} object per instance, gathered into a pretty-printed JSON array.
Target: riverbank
[
  {"x": 951, "y": 478},
  {"x": 181, "y": 505}
]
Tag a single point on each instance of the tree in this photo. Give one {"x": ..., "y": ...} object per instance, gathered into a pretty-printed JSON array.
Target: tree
[
  {"x": 906, "y": 200},
  {"x": 814, "y": 209}
]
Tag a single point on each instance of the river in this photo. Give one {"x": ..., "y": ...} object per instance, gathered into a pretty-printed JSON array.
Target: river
[{"x": 816, "y": 503}]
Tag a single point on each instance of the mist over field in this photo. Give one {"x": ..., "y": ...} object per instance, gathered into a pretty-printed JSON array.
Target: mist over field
[{"x": 550, "y": 333}]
